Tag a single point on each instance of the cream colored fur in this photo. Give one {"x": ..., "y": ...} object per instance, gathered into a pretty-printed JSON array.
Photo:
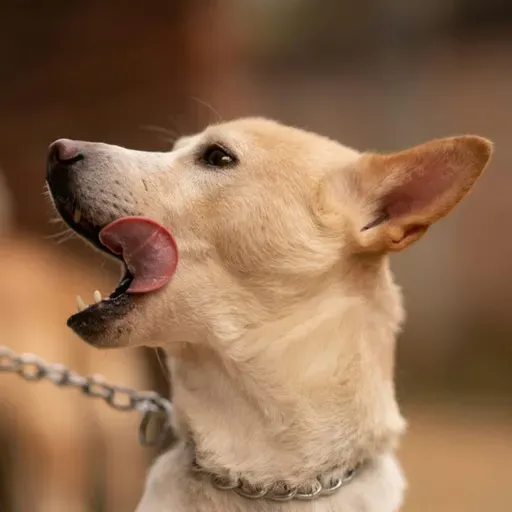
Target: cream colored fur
[{"x": 281, "y": 319}]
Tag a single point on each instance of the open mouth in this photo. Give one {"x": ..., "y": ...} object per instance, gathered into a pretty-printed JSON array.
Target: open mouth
[
  {"x": 146, "y": 248},
  {"x": 76, "y": 220}
]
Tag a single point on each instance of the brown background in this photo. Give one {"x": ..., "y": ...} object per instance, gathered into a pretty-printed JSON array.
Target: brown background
[{"x": 377, "y": 74}]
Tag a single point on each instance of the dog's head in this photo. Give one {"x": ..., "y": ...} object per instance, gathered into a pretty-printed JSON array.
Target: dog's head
[{"x": 240, "y": 225}]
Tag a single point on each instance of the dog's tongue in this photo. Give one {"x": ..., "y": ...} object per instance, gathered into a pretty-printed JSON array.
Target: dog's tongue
[{"x": 148, "y": 249}]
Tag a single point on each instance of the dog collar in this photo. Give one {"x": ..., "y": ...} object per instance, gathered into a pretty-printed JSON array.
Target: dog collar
[{"x": 322, "y": 485}]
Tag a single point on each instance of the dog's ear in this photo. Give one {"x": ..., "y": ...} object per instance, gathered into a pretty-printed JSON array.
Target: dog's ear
[{"x": 409, "y": 190}]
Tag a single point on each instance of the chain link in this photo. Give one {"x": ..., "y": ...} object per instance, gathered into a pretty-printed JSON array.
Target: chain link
[
  {"x": 320, "y": 487},
  {"x": 152, "y": 406}
]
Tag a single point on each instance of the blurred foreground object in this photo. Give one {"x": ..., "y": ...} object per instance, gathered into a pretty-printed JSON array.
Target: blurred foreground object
[{"x": 62, "y": 450}]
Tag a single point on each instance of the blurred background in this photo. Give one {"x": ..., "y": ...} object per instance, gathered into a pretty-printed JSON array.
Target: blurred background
[{"x": 375, "y": 74}]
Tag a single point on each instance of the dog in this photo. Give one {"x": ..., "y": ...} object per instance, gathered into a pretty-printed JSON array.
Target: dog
[
  {"x": 60, "y": 442},
  {"x": 256, "y": 255}
]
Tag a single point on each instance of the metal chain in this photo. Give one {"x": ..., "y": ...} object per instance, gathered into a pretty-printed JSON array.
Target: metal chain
[
  {"x": 152, "y": 406},
  {"x": 318, "y": 488}
]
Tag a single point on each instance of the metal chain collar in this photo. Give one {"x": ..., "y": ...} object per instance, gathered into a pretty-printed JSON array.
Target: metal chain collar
[
  {"x": 154, "y": 408},
  {"x": 318, "y": 488}
]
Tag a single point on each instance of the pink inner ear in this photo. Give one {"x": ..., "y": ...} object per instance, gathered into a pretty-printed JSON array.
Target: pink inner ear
[{"x": 423, "y": 186}]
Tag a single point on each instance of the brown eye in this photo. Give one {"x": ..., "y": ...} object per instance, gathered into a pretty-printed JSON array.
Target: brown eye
[{"x": 215, "y": 156}]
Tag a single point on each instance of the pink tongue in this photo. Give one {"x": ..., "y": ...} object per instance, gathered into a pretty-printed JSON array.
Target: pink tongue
[{"x": 147, "y": 248}]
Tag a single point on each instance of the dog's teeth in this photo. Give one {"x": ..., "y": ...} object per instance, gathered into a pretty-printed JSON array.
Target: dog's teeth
[
  {"x": 80, "y": 304},
  {"x": 77, "y": 216},
  {"x": 97, "y": 296}
]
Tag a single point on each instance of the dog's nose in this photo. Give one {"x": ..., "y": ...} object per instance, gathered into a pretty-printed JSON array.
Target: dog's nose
[
  {"x": 62, "y": 155},
  {"x": 64, "y": 152}
]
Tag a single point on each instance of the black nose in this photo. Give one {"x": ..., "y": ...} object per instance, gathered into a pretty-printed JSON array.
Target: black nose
[{"x": 63, "y": 154}]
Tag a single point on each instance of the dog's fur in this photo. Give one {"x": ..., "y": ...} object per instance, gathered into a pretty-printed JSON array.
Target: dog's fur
[
  {"x": 281, "y": 319},
  {"x": 59, "y": 441}
]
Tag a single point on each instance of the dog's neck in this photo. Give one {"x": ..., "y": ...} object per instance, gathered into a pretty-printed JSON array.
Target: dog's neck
[{"x": 310, "y": 394}]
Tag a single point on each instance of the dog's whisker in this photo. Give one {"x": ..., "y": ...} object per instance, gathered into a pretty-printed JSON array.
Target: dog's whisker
[
  {"x": 60, "y": 238},
  {"x": 169, "y": 136},
  {"x": 163, "y": 366},
  {"x": 210, "y": 108},
  {"x": 53, "y": 236}
]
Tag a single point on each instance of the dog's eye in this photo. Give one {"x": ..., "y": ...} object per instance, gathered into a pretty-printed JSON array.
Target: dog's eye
[{"x": 215, "y": 156}]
